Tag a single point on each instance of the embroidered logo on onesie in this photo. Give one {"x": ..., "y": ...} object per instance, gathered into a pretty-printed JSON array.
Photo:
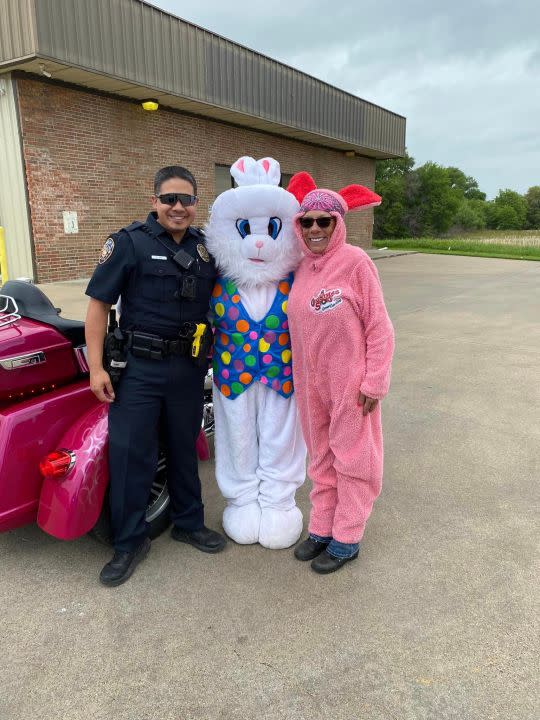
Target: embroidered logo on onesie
[{"x": 325, "y": 300}]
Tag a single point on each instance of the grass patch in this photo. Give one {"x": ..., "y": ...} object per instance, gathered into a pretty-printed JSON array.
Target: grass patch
[{"x": 524, "y": 247}]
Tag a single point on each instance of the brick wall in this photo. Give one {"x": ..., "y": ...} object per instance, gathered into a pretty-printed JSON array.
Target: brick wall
[{"x": 97, "y": 155}]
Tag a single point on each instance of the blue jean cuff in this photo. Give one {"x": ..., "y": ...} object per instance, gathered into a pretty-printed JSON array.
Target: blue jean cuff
[
  {"x": 342, "y": 550},
  {"x": 320, "y": 538}
]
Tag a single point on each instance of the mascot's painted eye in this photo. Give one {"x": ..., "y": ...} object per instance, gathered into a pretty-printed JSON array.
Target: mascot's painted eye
[
  {"x": 243, "y": 227},
  {"x": 274, "y": 226}
]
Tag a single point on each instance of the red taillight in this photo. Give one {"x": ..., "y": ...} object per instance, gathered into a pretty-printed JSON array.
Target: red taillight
[{"x": 57, "y": 464}]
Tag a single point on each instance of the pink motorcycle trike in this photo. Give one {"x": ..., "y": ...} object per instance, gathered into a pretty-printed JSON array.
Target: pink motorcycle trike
[{"x": 53, "y": 431}]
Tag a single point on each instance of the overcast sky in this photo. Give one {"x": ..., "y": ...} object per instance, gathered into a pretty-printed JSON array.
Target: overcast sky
[{"x": 465, "y": 73}]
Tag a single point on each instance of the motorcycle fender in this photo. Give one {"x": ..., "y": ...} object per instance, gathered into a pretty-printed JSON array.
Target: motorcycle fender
[{"x": 70, "y": 507}]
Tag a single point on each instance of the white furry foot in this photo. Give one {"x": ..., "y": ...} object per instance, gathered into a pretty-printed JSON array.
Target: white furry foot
[
  {"x": 241, "y": 523},
  {"x": 280, "y": 528}
]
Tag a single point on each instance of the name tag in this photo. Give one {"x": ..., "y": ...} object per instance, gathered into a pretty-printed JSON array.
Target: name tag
[{"x": 159, "y": 257}]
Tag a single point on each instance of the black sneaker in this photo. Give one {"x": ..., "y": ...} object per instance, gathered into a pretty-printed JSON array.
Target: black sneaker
[
  {"x": 206, "y": 540},
  {"x": 123, "y": 564},
  {"x": 309, "y": 549},
  {"x": 327, "y": 563}
]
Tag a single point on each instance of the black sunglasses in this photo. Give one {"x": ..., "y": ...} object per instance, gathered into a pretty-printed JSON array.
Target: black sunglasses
[
  {"x": 322, "y": 222},
  {"x": 172, "y": 198}
]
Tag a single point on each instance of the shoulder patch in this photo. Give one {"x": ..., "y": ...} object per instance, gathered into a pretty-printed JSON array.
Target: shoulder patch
[
  {"x": 106, "y": 250},
  {"x": 203, "y": 252}
]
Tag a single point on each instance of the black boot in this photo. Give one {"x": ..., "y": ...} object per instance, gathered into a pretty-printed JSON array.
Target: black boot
[
  {"x": 309, "y": 549},
  {"x": 121, "y": 567},
  {"x": 327, "y": 563},
  {"x": 204, "y": 539}
]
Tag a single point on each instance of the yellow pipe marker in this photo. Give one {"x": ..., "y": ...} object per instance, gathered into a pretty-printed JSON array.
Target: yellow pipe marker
[{"x": 3, "y": 257}]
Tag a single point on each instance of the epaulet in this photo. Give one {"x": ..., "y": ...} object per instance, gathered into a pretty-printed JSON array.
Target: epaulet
[
  {"x": 137, "y": 225},
  {"x": 199, "y": 231}
]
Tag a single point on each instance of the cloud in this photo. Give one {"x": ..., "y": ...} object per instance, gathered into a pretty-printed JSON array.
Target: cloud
[{"x": 465, "y": 74}]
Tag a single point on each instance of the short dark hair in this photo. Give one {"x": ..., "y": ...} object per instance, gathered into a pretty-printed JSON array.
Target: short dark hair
[{"x": 173, "y": 171}]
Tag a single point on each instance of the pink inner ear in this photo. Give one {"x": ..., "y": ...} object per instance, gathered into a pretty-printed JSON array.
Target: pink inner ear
[
  {"x": 266, "y": 165},
  {"x": 240, "y": 165}
]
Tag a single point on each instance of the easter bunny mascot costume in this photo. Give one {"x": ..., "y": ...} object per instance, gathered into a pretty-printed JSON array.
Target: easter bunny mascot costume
[{"x": 260, "y": 451}]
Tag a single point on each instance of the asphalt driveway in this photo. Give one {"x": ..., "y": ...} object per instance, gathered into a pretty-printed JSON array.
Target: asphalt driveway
[{"x": 437, "y": 619}]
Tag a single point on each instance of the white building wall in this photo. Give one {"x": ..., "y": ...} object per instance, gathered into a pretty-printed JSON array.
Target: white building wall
[{"x": 13, "y": 200}]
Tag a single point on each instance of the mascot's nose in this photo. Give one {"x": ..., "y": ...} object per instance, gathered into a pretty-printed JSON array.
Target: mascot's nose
[{"x": 259, "y": 244}]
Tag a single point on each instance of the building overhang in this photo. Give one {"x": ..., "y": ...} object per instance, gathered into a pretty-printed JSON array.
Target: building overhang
[{"x": 225, "y": 82}]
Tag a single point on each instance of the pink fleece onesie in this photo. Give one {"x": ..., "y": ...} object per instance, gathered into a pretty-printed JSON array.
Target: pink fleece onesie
[{"x": 343, "y": 342}]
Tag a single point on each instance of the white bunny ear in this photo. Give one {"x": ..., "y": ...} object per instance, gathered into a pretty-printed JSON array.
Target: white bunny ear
[
  {"x": 247, "y": 171},
  {"x": 244, "y": 170},
  {"x": 271, "y": 171}
]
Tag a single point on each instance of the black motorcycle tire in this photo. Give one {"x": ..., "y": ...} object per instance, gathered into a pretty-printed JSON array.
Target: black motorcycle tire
[{"x": 158, "y": 512}]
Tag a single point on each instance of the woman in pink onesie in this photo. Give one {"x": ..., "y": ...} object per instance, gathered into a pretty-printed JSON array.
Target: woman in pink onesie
[{"x": 343, "y": 342}]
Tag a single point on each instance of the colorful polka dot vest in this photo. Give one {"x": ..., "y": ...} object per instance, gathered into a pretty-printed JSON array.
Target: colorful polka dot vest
[{"x": 246, "y": 351}]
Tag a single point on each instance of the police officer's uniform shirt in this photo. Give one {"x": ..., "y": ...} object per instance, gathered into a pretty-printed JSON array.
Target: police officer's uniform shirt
[{"x": 158, "y": 296}]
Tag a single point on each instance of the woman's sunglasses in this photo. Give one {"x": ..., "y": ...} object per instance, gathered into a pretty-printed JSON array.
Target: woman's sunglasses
[
  {"x": 172, "y": 198},
  {"x": 322, "y": 222}
]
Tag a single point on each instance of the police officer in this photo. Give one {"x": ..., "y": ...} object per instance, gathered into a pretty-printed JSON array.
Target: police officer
[{"x": 165, "y": 276}]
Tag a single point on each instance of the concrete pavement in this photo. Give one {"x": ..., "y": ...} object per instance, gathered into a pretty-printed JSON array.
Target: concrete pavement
[
  {"x": 436, "y": 620},
  {"x": 70, "y": 297}
]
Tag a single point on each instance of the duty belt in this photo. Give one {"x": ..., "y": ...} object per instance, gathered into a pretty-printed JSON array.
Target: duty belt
[{"x": 153, "y": 347}]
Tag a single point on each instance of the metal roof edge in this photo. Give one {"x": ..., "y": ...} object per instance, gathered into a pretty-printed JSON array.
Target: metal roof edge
[{"x": 268, "y": 57}]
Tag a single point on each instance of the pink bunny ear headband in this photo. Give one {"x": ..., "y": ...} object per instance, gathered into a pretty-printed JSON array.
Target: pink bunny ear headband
[{"x": 310, "y": 197}]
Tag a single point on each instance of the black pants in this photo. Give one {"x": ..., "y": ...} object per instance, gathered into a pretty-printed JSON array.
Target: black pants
[{"x": 173, "y": 389}]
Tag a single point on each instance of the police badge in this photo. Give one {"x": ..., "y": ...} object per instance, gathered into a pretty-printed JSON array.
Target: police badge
[
  {"x": 106, "y": 250},
  {"x": 203, "y": 252}
]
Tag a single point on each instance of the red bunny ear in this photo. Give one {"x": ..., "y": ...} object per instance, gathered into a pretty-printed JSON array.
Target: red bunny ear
[
  {"x": 300, "y": 184},
  {"x": 359, "y": 197}
]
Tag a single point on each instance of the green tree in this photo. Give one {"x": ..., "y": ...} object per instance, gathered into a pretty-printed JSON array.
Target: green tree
[
  {"x": 427, "y": 200},
  {"x": 480, "y": 208},
  {"x": 474, "y": 193},
  {"x": 435, "y": 199},
  {"x": 390, "y": 221},
  {"x": 502, "y": 217},
  {"x": 470, "y": 215},
  {"x": 396, "y": 167},
  {"x": 390, "y": 183},
  {"x": 532, "y": 198},
  {"x": 499, "y": 217},
  {"x": 465, "y": 183}
]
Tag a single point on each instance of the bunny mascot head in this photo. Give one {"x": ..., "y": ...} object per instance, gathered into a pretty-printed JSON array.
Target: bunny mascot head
[
  {"x": 260, "y": 453},
  {"x": 250, "y": 233}
]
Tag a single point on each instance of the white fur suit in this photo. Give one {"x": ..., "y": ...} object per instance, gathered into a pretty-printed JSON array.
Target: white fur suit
[{"x": 260, "y": 451}]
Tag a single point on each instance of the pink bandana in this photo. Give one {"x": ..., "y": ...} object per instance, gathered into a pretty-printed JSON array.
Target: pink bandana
[{"x": 322, "y": 200}]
